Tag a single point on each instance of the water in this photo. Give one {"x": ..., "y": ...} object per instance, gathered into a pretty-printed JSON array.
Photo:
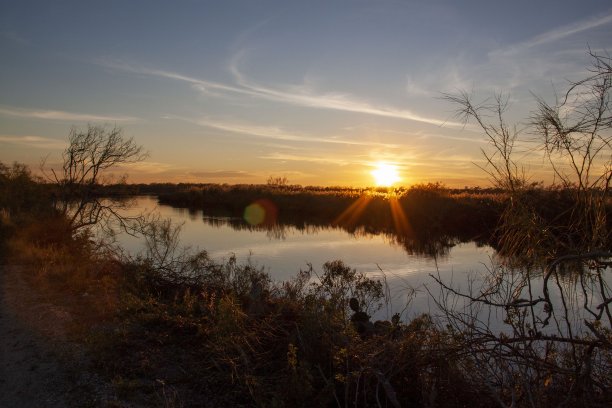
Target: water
[
  {"x": 284, "y": 251},
  {"x": 406, "y": 268}
]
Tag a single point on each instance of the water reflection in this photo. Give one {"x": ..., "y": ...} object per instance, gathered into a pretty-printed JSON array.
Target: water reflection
[
  {"x": 406, "y": 261},
  {"x": 282, "y": 249},
  {"x": 574, "y": 286},
  {"x": 431, "y": 243}
]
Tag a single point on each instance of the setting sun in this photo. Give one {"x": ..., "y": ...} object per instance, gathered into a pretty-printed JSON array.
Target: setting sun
[{"x": 385, "y": 174}]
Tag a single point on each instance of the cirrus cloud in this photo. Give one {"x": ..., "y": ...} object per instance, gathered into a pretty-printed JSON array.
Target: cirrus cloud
[
  {"x": 62, "y": 115},
  {"x": 38, "y": 142}
]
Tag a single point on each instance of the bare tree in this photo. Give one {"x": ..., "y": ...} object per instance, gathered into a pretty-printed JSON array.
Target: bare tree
[
  {"x": 278, "y": 181},
  {"x": 518, "y": 219},
  {"x": 489, "y": 116},
  {"x": 576, "y": 134},
  {"x": 86, "y": 161},
  {"x": 555, "y": 305}
]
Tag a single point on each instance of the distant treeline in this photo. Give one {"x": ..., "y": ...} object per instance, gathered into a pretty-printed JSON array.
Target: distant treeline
[
  {"x": 171, "y": 188},
  {"x": 426, "y": 218},
  {"x": 423, "y": 218}
]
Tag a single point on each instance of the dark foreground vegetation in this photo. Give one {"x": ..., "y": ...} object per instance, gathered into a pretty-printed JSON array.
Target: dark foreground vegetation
[
  {"x": 178, "y": 329},
  {"x": 175, "y": 328}
]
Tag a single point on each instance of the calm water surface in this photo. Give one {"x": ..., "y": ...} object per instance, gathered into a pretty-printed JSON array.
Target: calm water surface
[{"x": 283, "y": 252}]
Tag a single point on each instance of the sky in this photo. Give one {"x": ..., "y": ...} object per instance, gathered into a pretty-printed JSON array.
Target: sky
[{"x": 318, "y": 92}]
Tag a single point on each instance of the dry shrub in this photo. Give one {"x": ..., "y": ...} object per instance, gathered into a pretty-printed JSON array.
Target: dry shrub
[{"x": 67, "y": 270}]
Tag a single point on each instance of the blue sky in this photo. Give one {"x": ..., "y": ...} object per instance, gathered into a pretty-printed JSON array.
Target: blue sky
[{"x": 317, "y": 91}]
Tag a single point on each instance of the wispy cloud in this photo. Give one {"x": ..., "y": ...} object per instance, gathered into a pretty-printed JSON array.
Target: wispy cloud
[
  {"x": 292, "y": 95},
  {"x": 479, "y": 139},
  {"x": 556, "y": 34},
  {"x": 434, "y": 77},
  {"x": 34, "y": 141},
  {"x": 199, "y": 84},
  {"x": 181, "y": 173},
  {"x": 221, "y": 174},
  {"x": 421, "y": 135},
  {"x": 147, "y": 167},
  {"x": 310, "y": 159},
  {"x": 62, "y": 115},
  {"x": 150, "y": 171},
  {"x": 554, "y": 55},
  {"x": 271, "y": 132},
  {"x": 302, "y": 96},
  {"x": 449, "y": 162}
]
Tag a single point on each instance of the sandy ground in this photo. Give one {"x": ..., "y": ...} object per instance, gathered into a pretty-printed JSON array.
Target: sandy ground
[{"x": 39, "y": 366}]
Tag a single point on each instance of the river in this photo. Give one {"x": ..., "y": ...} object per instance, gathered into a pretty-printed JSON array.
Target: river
[{"x": 284, "y": 250}]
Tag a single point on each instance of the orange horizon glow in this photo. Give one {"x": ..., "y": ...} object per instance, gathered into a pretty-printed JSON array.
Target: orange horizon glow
[{"x": 385, "y": 174}]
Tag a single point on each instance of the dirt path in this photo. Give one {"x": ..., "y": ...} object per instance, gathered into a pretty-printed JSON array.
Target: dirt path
[{"x": 39, "y": 367}]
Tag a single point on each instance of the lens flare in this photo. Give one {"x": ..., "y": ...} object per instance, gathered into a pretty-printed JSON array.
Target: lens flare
[{"x": 261, "y": 212}]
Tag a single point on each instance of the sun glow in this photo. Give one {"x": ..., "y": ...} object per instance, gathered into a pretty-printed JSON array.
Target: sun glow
[{"x": 385, "y": 174}]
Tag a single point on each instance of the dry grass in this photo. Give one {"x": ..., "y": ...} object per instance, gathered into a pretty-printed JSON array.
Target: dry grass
[{"x": 183, "y": 330}]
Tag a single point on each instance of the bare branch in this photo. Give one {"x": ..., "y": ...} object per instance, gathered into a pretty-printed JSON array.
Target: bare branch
[{"x": 89, "y": 155}]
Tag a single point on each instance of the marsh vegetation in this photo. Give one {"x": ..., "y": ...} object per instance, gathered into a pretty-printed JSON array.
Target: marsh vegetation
[{"x": 174, "y": 327}]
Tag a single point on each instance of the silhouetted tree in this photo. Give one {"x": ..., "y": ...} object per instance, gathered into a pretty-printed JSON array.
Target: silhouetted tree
[
  {"x": 86, "y": 161},
  {"x": 557, "y": 319}
]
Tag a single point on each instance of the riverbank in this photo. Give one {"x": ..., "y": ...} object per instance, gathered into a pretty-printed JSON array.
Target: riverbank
[
  {"x": 183, "y": 330},
  {"x": 173, "y": 327},
  {"x": 41, "y": 364},
  {"x": 216, "y": 334}
]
